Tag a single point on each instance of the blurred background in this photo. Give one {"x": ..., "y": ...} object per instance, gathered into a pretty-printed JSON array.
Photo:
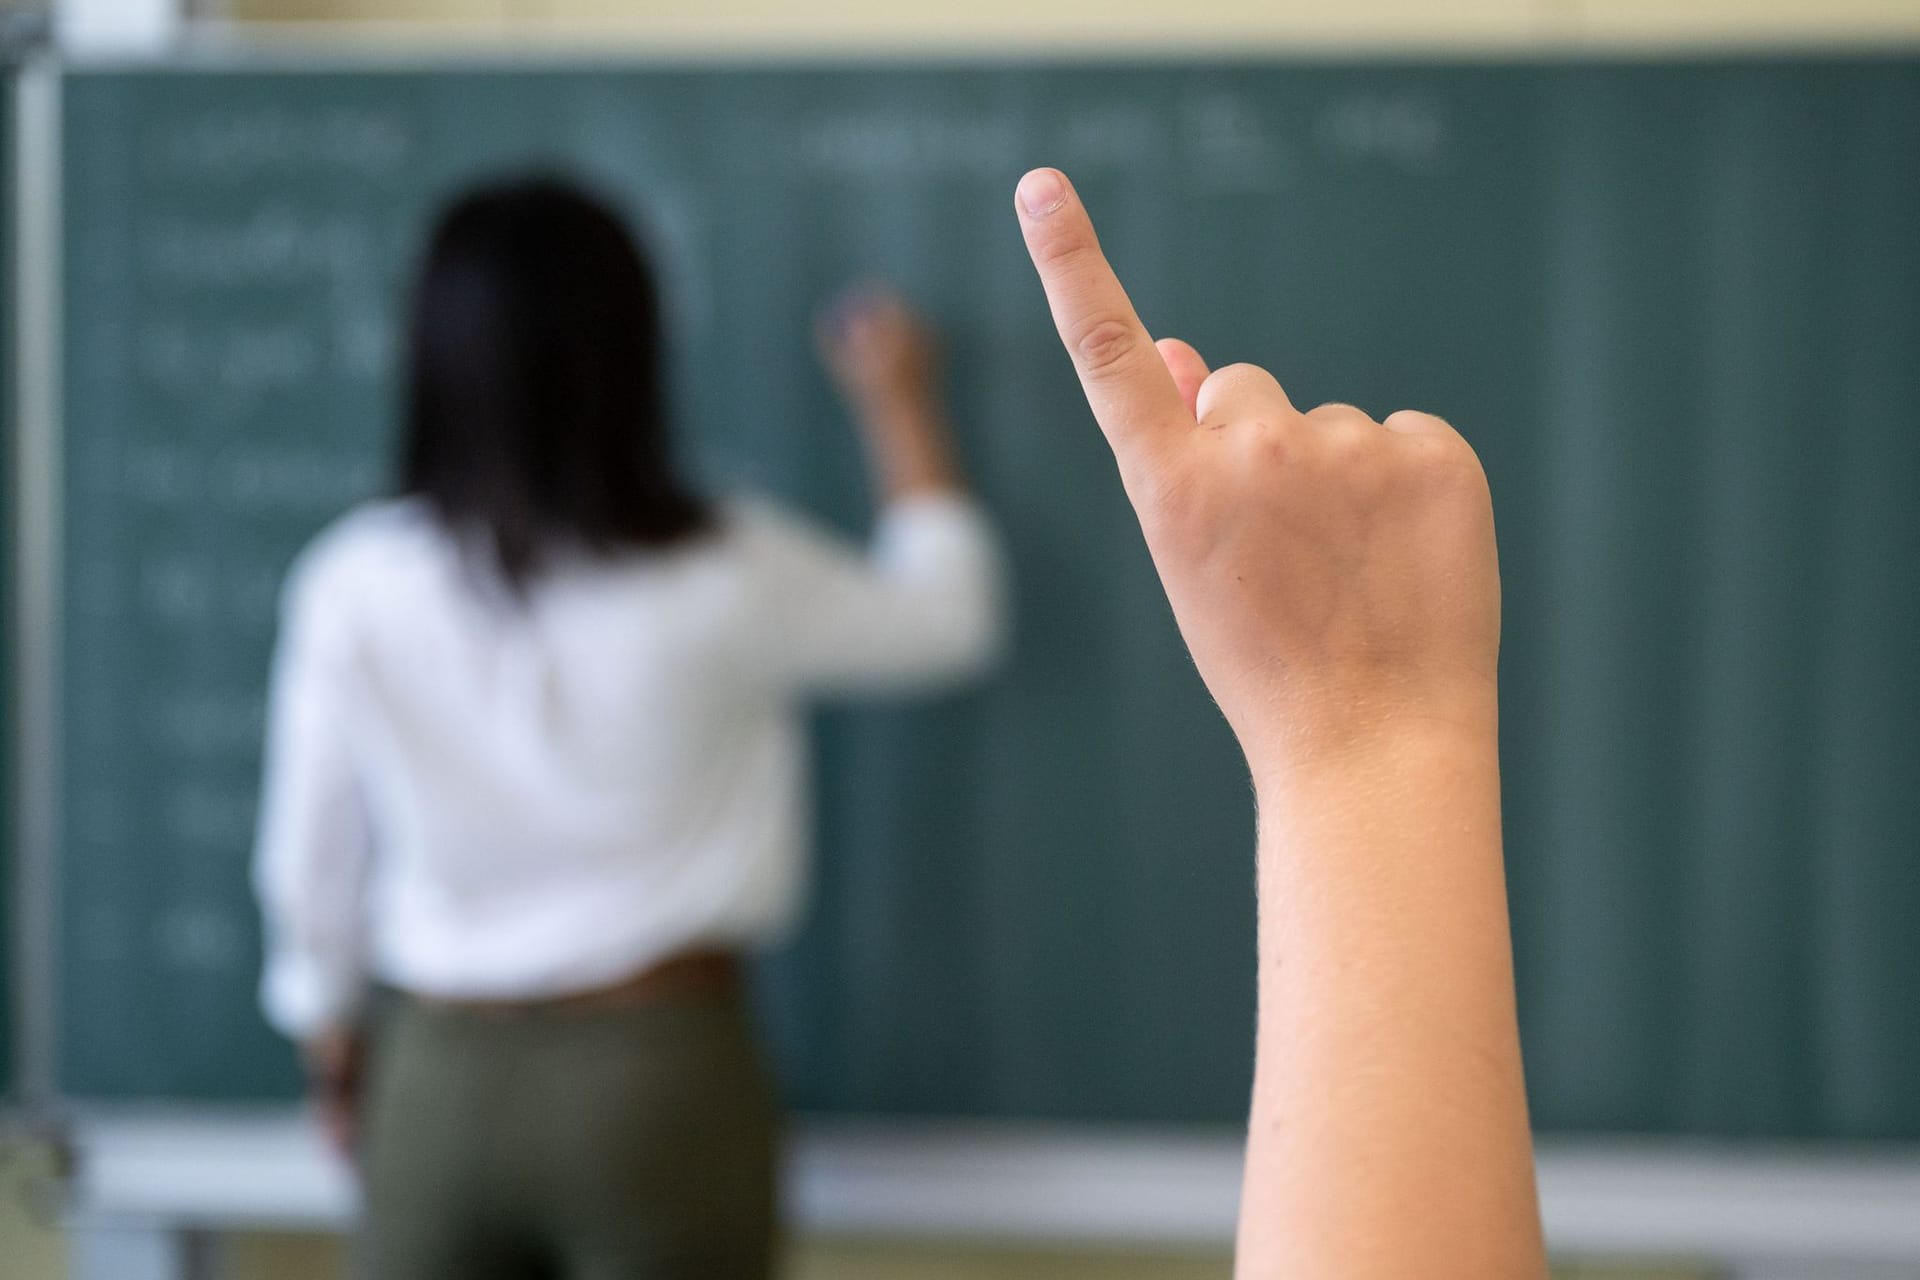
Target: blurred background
[{"x": 1660, "y": 261}]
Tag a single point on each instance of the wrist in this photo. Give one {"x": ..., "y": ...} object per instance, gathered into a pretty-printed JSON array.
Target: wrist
[
  {"x": 333, "y": 1054},
  {"x": 897, "y": 407},
  {"x": 909, "y": 449},
  {"x": 1406, "y": 819},
  {"x": 1316, "y": 754},
  {"x": 916, "y": 476}
]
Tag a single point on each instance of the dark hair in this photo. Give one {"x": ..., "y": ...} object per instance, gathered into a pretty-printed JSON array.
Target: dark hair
[{"x": 536, "y": 389}]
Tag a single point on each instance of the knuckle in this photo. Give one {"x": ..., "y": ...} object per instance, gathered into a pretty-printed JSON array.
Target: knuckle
[
  {"x": 1242, "y": 391},
  {"x": 1058, "y": 247},
  {"x": 1269, "y": 449},
  {"x": 1106, "y": 344},
  {"x": 1337, "y": 414},
  {"x": 1473, "y": 476},
  {"x": 1445, "y": 460},
  {"x": 1236, "y": 384},
  {"x": 1351, "y": 432},
  {"x": 1348, "y": 437},
  {"x": 1239, "y": 379},
  {"x": 1451, "y": 450},
  {"x": 1276, "y": 449},
  {"x": 1412, "y": 420}
]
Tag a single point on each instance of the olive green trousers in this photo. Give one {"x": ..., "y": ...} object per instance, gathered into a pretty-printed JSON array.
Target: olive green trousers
[{"x": 634, "y": 1143}]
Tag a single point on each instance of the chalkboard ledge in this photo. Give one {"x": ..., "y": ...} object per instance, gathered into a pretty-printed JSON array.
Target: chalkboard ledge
[{"x": 1747, "y": 1207}]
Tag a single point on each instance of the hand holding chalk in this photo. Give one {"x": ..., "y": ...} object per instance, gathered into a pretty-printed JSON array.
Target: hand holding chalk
[{"x": 885, "y": 361}]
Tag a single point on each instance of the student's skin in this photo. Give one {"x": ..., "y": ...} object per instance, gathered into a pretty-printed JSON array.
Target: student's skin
[{"x": 1336, "y": 581}]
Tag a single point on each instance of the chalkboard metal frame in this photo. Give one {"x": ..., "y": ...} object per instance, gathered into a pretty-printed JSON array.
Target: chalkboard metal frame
[
  {"x": 9, "y": 369},
  {"x": 33, "y": 498},
  {"x": 1070, "y": 1189}
]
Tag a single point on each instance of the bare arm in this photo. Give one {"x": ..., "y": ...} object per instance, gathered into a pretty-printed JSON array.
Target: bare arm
[
  {"x": 925, "y": 604},
  {"x": 1335, "y": 579},
  {"x": 883, "y": 360}
]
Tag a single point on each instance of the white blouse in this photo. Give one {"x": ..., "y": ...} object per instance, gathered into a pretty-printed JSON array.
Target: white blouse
[{"x": 471, "y": 795}]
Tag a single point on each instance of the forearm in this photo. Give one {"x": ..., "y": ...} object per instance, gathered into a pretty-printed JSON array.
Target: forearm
[
  {"x": 909, "y": 448},
  {"x": 1388, "y": 1087}
]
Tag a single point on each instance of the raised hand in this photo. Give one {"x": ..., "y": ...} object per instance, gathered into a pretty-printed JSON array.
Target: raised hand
[
  {"x": 1335, "y": 579},
  {"x": 1329, "y": 572}
]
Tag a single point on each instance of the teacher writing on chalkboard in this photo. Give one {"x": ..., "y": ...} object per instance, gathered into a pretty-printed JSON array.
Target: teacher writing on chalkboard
[{"x": 536, "y": 762}]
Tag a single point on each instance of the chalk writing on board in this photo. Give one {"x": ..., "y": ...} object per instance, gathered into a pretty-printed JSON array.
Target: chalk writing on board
[
  {"x": 276, "y": 244},
  {"x": 102, "y": 818},
  {"x": 97, "y": 255},
  {"x": 675, "y": 228},
  {"x": 187, "y": 591},
  {"x": 177, "y": 591},
  {"x": 1230, "y": 146},
  {"x": 236, "y": 358},
  {"x": 1113, "y": 135},
  {"x": 209, "y": 818},
  {"x": 200, "y": 937},
  {"x": 241, "y": 145},
  {"x": 298, "y": 481},
  {"x": 101, "y": 936},
  {"x": 885, "y": 143},
  {"x": 106, "y": 340},
  {"x": 97, "y": 590},
  {"x": 1404, "y": 132},
  {"x": 363, "y": 343},
  {"x": 253, "y": 595},
  {"x": 255, "y": 479},
  {"x": 204, "y": 722},
  {"x": 161, "y": 475}
]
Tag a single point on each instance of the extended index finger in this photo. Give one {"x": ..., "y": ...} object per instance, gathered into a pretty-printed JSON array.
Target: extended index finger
[{"x": 1126, "y": 382}]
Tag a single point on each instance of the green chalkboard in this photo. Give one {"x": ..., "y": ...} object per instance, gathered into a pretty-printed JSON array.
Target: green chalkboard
[{"x": 1676, "y": 307}]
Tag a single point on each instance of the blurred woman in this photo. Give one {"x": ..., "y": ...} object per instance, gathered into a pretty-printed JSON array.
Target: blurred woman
[{"x": 536, "y": 761}]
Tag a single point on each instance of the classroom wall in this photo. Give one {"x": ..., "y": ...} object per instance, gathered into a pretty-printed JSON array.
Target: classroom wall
[{"x": 1216, "y": 23}]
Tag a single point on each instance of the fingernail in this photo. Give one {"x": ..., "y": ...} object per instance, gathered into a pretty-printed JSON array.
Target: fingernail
[{"x": 1041, "y": 192}]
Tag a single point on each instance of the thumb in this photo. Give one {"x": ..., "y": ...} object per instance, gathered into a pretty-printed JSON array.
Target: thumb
[{"x": 1189, "y": 370}]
